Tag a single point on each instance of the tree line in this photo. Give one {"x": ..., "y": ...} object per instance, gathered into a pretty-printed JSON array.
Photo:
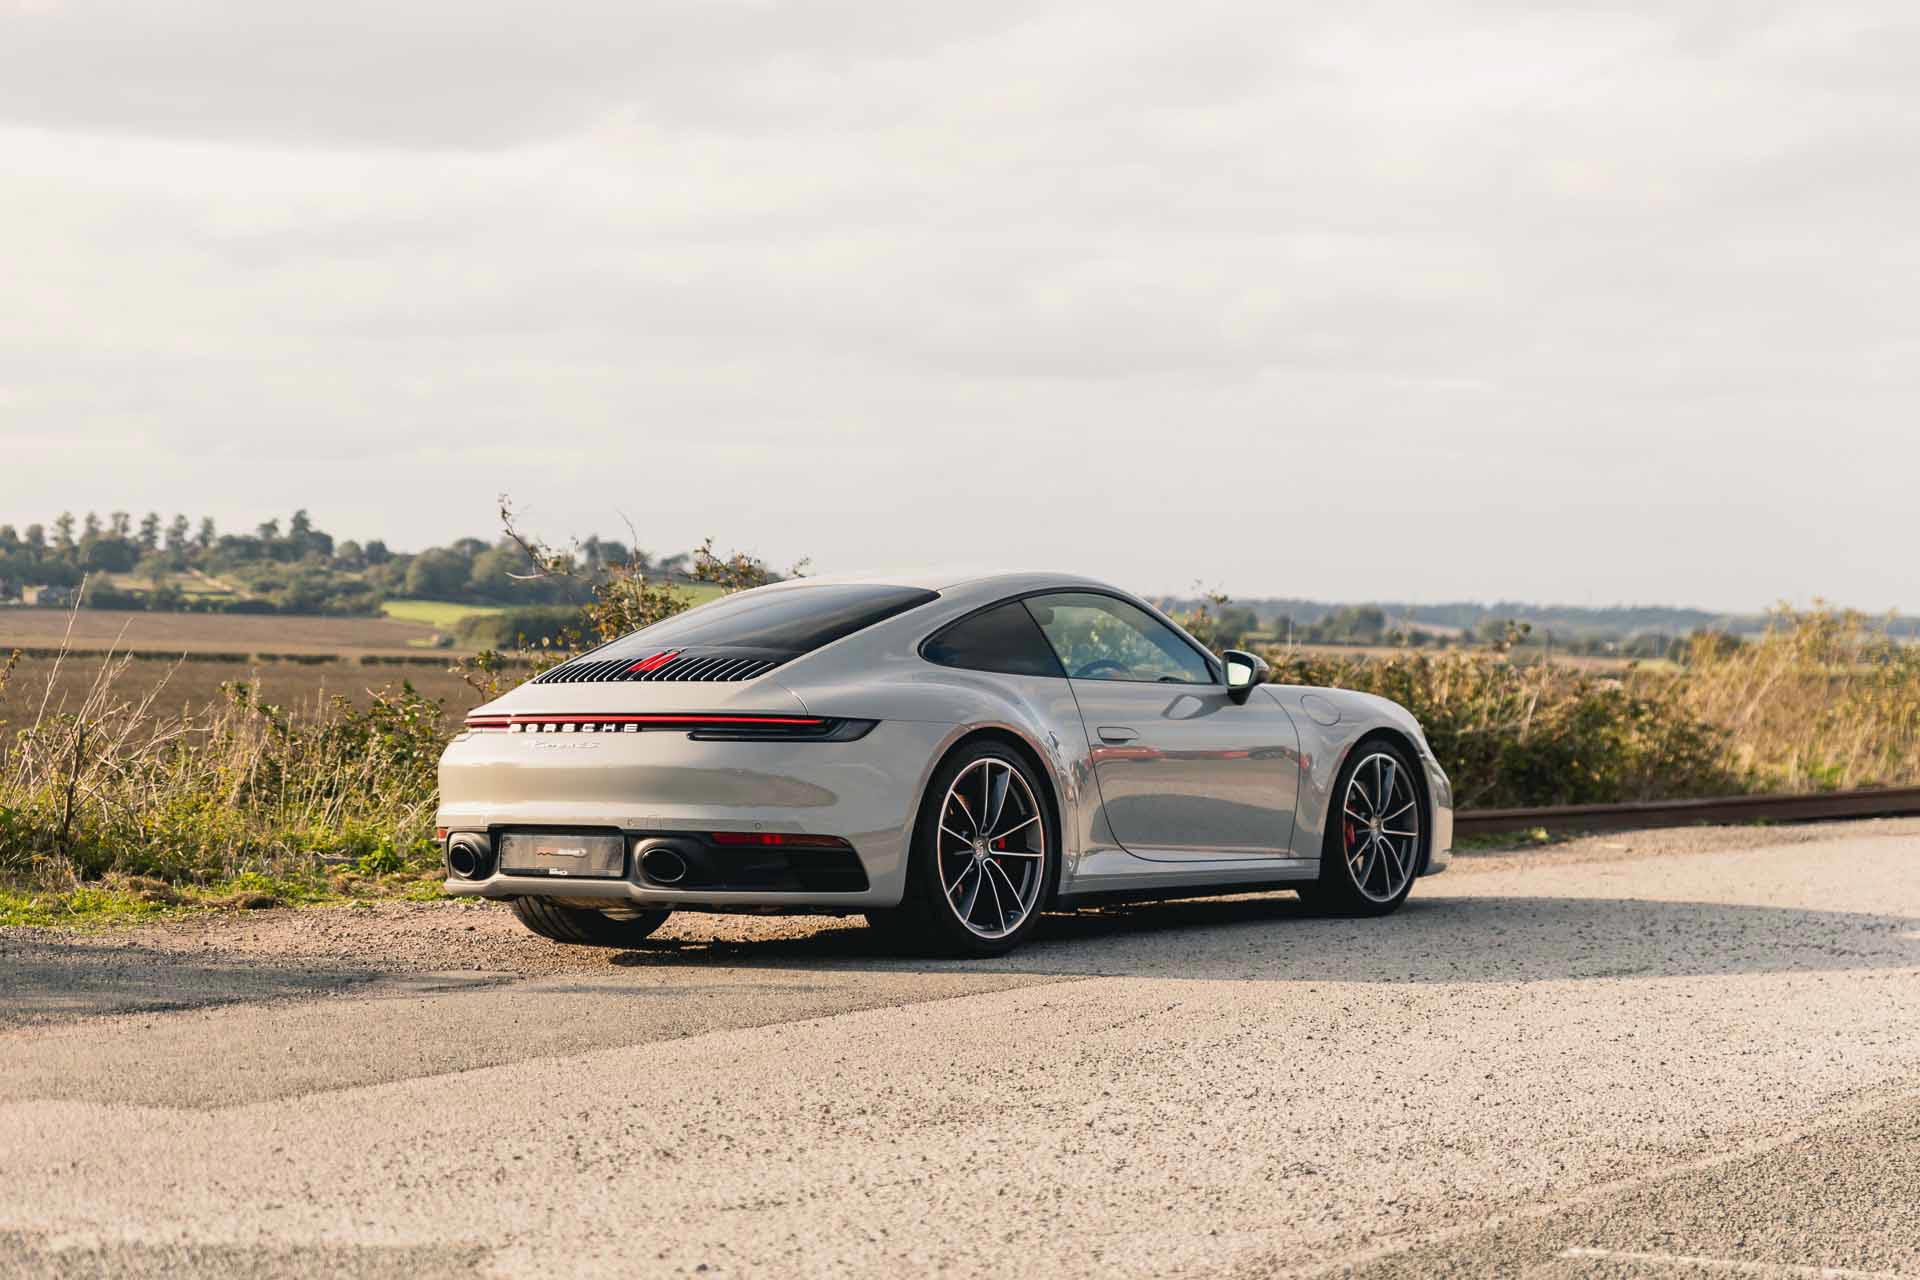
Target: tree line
[{"x": 289, "y": 567}]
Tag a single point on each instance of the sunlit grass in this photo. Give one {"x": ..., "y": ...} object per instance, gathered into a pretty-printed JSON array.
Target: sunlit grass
[{"x": 442, "y": 615}]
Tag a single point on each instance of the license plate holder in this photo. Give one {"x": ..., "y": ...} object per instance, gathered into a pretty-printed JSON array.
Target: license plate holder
[{"x": 571, "y": 855}]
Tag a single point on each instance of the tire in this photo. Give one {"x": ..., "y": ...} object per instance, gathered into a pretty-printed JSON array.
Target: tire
[
  {"x": 1356, "y": 876},
  {"x": 584, "y": 926},
  {"x": 971, "y": 898}
]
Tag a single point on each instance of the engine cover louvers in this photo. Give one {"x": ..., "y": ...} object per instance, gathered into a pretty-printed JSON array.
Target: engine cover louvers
[{"x": 668, "y": 664}]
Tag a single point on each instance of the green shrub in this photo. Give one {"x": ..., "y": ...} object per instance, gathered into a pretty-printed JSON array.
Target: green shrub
[{"x": 1540, "y": 734}]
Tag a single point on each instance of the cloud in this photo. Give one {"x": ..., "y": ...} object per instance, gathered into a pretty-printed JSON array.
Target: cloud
[
  {"x": 440, "y": 74},
  {"x": 1467, "y": 298}
]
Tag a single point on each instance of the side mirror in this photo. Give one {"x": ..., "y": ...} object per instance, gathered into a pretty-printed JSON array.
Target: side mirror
[{"x": 1244, "y": 670}]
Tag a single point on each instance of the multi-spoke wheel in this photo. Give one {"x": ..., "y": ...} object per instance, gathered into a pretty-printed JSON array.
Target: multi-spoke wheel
[
  {"x": 1372, "y": 848},
  {"x": 992, "y": 847},
  {"x": 983, "y": 857}
]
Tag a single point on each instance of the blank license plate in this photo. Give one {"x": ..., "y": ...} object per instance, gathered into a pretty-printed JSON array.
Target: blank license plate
[{"x": 533, "y": 853}]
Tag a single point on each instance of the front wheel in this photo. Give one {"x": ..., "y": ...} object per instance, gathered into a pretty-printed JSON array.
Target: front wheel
[
  {"x": 586, "y": 926},
  {"x": 1372, "y": 846},
  {"x": 984, "y": 858}
]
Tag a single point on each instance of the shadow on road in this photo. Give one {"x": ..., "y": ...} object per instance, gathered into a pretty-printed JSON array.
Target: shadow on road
[
  {"x": 61, "y": 979},
  {"x": 1494, "y": 939}
]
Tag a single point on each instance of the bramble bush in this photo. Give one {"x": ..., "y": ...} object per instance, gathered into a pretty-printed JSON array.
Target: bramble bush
[{"x": 1536, "y": 735}]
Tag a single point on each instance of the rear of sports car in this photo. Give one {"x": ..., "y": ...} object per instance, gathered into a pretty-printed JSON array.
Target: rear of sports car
[{"x": 674, "y": 770}]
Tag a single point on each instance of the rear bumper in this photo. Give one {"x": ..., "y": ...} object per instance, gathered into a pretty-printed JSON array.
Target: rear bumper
[{"x": 865, "y": 792}]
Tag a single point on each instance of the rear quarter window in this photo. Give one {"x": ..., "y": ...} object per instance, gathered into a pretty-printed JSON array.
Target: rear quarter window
[{"x": 1004, "y": 638}]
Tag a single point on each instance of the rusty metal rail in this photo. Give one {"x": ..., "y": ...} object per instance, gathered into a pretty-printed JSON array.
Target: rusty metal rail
[{"x": 1887, "y": 802}]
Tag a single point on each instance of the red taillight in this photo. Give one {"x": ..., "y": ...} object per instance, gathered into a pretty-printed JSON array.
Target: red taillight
[
  {"x": 488, "y": 722},
  {"x": 779, "y": 840}
]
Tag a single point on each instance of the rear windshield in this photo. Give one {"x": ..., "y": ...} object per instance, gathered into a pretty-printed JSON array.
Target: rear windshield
[{"x": 791, "y": 622}]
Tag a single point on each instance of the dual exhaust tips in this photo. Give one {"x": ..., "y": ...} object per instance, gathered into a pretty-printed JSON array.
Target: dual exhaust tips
[{"x": 470, "y": 857}]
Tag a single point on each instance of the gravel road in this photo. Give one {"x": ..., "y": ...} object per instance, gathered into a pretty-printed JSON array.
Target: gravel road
[{"x": 1688, "y": 1053}]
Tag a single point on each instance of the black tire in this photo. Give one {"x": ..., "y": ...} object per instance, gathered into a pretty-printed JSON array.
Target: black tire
[
  {"x": 1337, "y": 891},
  {"x": 584, "y": 926},
  {"x": 927, "y": 922}
]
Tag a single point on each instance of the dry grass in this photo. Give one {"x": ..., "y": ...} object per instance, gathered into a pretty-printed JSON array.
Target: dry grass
[
  {"x": 1823, "y": 700},
  {"x": 128, "y": 768},
  {"x": 110, "y": 782}
]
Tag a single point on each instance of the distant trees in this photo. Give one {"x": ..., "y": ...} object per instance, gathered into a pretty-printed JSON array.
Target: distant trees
[
  {"x": 439, "y": 574},
  {"x": 291, "y": 565},
  {"x": 1351, "y": 624}
]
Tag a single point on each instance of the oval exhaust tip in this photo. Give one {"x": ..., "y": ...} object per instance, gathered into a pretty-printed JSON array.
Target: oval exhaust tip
[
  {"x": 466, "y": 859},
  {"x": 664, "y": 865}
]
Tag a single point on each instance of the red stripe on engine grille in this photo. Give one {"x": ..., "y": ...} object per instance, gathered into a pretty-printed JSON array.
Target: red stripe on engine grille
[{"x": 653, "y": 663}]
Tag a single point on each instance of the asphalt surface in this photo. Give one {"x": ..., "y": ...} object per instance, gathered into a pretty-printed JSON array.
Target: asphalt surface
[{"x": 1691, "y": 1054}]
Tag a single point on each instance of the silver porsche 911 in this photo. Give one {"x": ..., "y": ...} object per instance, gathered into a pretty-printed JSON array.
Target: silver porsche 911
[{"x": 949, "y": 757}]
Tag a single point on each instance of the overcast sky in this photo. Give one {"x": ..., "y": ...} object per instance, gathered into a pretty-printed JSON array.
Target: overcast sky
[{"x": 1588, "y": 303}]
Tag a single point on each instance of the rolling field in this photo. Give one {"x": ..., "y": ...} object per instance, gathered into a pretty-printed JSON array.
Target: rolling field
[
  {"x": 1579, "y": 661},
  {"x": 179, "y": 686},
  {"x": 208, "y": 632}
]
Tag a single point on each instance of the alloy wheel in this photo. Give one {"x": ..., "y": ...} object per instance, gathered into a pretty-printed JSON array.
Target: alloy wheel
[
  {"x": 1380, "y": 827},
  {"x": 991, "y": 848}
]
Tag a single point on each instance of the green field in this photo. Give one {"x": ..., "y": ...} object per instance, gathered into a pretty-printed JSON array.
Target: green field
[{"x": 442, "y": 615}]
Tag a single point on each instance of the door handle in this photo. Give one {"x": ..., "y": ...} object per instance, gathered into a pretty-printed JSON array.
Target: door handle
[{"x": 1116, "y": 733}]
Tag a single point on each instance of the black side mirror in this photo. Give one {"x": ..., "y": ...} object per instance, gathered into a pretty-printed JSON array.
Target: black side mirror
[{"x": 1244, "y": 670}]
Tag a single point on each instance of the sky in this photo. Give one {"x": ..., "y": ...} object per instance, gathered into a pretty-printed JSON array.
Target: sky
[{"x": 1451, "y": 299}]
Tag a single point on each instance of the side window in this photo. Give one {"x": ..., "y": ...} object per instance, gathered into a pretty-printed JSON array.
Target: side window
[
  {"x": 1002, "y": 638},
  {"x": 1101, "y": 638}
]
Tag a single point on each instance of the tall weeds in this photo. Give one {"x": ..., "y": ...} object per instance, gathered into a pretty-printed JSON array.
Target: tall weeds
[
  {"x": 1822, "y": 700},
  {"x": 112, "y": 785}
]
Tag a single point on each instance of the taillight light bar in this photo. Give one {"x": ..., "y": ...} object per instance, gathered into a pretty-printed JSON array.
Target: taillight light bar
[{"x": 715, "y": 727}]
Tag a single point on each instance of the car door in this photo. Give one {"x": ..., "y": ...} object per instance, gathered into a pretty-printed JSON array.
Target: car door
[{"x": 1183, "y": 771}]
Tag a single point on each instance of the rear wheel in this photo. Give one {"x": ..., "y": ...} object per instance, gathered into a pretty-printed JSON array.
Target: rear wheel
[
  {"x": 587, "y": 926},
  {"x": 1372, "y": 846},
  {"x": 984, "y": 858}
]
